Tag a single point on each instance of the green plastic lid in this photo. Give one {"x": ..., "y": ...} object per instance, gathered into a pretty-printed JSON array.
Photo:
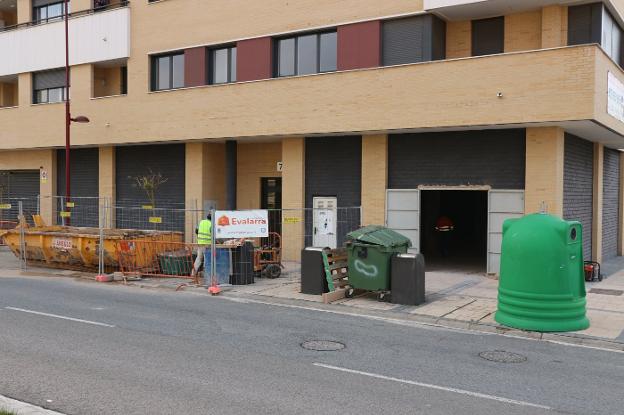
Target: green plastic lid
[{"x": 378, "y": 235}]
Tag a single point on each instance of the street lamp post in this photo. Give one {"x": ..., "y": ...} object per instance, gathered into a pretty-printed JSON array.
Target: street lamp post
[{"x": 68, "y": 117}]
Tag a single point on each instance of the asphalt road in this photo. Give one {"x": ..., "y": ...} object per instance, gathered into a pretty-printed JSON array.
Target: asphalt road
[{"x": 82, "y": 348}]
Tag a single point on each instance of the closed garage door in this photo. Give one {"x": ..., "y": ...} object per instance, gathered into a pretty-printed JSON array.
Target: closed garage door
[
  {"x": 84, "y": 185},
  {"x": 333, "y": 168},
  {"x": 488, "y": 157},
  {"x": 610, "y": 203},
  {"x": 18, "y": 186},
  {"x": 140, "y": 161},
  {"x": 578, "y": 178}
]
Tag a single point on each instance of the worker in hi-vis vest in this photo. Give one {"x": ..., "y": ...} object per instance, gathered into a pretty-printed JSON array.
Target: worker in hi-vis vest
[{"x": 204, "y": 240}]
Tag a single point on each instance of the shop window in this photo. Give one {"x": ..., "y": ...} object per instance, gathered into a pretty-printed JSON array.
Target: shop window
[
  {"x": 307, "y": 54},
  {"x": 167, "y": 71}
]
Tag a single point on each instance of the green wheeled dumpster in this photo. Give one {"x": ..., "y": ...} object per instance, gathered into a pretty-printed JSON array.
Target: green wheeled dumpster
[
  {"x": 542, "y": 286},
  {"x": 370, "y": 250}
]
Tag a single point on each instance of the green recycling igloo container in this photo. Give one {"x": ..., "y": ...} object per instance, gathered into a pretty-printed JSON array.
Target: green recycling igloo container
[
  {"x": 370, "y": 250},
  {"x": 541, "y": 286}
]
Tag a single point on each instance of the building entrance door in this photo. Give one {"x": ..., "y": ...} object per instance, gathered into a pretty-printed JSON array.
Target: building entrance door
[
  {"x": 271, "y": 199},
  {"x": 324, "y": 222}
]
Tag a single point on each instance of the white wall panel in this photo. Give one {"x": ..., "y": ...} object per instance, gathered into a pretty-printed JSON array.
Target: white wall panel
[{"x": 93, "y": 38}]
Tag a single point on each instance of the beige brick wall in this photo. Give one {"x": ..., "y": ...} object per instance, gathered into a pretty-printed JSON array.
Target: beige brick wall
[
  {"x": 544, "y": 170},
  {"x": 106, "y": 81},
  {"x": 539, "y": 86},
  {"x": 374, "y": 178},
  {"x": 254, "y": 161},
  {"x": 554, "y": 26},
  {"x": 458, "y": 39},
  {"x": 523, "y": 31},
  {"x": 597, "y": 205},
  {"x": 293, "y": 197},
  {"x": 107, "y": 180}
]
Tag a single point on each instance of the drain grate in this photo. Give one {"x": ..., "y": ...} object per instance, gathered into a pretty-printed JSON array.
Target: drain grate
[
  {"x": 501, "y": 356},
  {"x": 605, "y": 291},
  {"x": 323, "y": 345}
]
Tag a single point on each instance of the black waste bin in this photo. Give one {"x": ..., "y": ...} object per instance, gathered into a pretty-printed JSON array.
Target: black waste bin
[
  {"x": 313, "y": 280},
  {"x": 243, "y": 264},
  {"x": 407, "y": 281}
]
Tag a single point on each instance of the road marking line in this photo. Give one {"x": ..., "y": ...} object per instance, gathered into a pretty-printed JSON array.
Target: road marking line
[
  {"x": 430, "y": 386},
  {"x": 95, "y": 323}
]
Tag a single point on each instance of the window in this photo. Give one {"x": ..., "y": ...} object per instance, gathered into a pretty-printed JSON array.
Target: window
[
  {"x": 488, "y": 36},
  {"x": 167, "y": 72},
  {"x": 48, "y": 10},
  {"x": 307, "y": 54},
  {"x": 222, "y": 65},
  {"x": 49, "y": 86},
  {"x": 592, "y": 23},
  {"x": 413, "y": 39}
]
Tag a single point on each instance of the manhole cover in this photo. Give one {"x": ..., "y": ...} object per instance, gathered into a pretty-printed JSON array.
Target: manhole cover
[
  {"x": 323, "y": 345},
  {"x": 502, "y": 356}
]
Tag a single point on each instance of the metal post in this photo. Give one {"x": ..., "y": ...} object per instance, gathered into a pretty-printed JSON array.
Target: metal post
[
  {"x": 22, "y": 224},
  {"x": 38, "y": 204},
  {"x": 213, "y": 253},
  {"x": 62, "y": 207},
  {"x": 101, "y": 251},
  {"x": 67, "y": 112}
]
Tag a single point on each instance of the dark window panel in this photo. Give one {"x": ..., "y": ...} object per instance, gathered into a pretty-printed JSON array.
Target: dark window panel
[{"x": 488, "y": 36}]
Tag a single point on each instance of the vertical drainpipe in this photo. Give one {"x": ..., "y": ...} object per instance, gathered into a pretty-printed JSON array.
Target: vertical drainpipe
[{"x": 230, "y": 174}]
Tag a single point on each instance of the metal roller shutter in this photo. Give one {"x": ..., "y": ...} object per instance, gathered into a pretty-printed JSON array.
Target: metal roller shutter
[
  {"x": 168, "y": 160},
  {"x": 16, "y": 186},
  {"x": 488, "y": 36},
  {"x": 488, "y": 157},
  {"x": 578, "y": 186},
  {"x": 49, "y": 79},
  {"x": 85, "y": 178},
  {"x": 610, "y": 203},
  {"x": 333, "y": 167},
  {"x": 413, "y": 39}
]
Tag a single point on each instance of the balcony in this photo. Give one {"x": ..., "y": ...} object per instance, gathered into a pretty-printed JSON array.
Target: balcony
[
  {"x": 95, "y": 35},
  {"x": 555, "y": 87}
]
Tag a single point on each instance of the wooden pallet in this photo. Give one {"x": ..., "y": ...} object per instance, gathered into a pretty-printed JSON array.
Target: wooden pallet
[{"x": 336, "y": 273}]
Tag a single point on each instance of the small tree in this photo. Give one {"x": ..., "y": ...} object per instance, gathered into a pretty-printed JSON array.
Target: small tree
[{"x": 150, "y": 183}]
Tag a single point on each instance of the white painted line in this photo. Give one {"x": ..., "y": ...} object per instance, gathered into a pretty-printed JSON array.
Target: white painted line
[
  {"x": 95, "y": 323},
  {"x": 437, "y": 387}
]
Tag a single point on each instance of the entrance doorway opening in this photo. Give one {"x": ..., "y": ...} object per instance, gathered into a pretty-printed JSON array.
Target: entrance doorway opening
[
  {"x": 465, "y": 247},
  {"x": 271, "y": 199}
]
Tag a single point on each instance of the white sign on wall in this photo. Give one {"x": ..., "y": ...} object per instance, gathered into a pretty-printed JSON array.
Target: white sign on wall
[
  {"x": 615, "y": 100},
  {"x": 242, "y": 224}
]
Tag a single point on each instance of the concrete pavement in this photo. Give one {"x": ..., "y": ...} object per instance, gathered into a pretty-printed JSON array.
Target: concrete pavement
[{"x": 112, "y": 349}]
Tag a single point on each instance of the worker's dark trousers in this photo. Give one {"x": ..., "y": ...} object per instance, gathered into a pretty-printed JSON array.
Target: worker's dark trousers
[{"x": 445, "y": 239}]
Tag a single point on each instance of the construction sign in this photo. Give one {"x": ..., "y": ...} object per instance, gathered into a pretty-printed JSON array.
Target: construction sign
[{"x": 233, "y": 224}]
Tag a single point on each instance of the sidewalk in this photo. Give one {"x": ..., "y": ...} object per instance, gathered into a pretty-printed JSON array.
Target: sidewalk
[
  {"x": 464, "y": 300},
  {"x": 23, "y": 408}
]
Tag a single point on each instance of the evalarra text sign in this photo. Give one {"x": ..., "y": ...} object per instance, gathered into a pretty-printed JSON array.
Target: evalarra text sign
[{"x": 242, "y": 224}]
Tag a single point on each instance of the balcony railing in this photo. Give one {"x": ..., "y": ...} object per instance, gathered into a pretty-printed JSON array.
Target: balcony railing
[{"x": 79, "y": 13}]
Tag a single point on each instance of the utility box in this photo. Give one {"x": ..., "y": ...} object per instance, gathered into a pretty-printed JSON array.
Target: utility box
[
  {"x": 542, "y": 286},
  {"x": 370, "y": 250},
  {"x": 407, "y": 284}
]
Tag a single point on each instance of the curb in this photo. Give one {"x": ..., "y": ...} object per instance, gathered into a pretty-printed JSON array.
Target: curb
[{"x": 23, "y": 408}]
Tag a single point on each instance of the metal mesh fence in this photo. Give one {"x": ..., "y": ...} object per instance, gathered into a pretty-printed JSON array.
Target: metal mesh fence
[{"x": 290, "y": 230}]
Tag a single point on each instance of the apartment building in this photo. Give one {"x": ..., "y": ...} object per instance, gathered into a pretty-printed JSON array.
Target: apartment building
[{"x": 480, "y": 110}]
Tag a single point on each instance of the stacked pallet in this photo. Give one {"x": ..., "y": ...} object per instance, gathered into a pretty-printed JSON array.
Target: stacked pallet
[{"x": 336, "y": 272}]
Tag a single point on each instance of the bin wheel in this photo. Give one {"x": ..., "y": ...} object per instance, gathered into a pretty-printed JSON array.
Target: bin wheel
[
  {"x": 382, "y": 297},
  {"x": 272, "y": 271},
  {"x": 349, "y": 292},
  {"x": 599, "y": 276}
]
